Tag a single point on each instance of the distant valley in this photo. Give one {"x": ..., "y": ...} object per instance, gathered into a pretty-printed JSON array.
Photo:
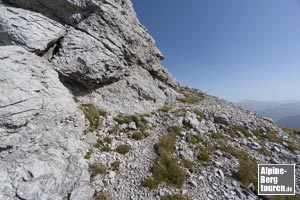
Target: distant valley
[{"x": 285, "y": 113}]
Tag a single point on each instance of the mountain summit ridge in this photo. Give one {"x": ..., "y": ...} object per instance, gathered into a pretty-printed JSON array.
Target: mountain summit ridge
[{"x": 87, "y": 111}]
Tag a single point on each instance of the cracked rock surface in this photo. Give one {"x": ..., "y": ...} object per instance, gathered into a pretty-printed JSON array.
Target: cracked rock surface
[
  {"x": 31, "y": 30},
  {"x": 40, "y": 127},
  {"x": 86, "y": 107}
]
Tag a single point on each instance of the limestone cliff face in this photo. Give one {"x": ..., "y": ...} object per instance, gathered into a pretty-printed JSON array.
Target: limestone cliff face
[
  {"x": 84, "y": 100},
  {"x": 102, "y": 54},
  {"x": 99, "y": 49}
]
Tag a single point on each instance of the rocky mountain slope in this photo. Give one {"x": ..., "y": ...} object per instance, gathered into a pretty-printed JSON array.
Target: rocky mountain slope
[{"x": 88, "y": 112}]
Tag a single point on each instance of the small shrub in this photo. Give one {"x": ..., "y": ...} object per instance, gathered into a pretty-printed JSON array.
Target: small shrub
[
  {"x": 115, "y": 165},
  {"x": 194, "y": 139},
  {"x": 237, "y": 128},
  {"x": 99, "y": 144},
  {"x": 165, "y": 108},
  {"x": 217, "y": 136},
  {"x": 166, "y": 144},
  {"x": 203, "y": 155},
  {"x": 272, "y": 136},
  {"x": 106, "y": 148},
  {"x": 96, "y": 169},
  {"x": 123, "y": 148},
  {"x": 166, "y": 168},
  {"x": 115, "y": 130},
  {"x": 140, "y": 135},
  {"x": 102, "y": 196},
  {"x": 293, "y": 133},
  {"x": 76, "y": 100},
  {"x": 293, "y": 145},
  {"x": 92, "y": 114},
  {"x": 108, "y": 140},
  {"x": 174, "y": 197},
  {"x": 188, "y": 165},
  {"x": 88, "y": 155},
  {"x": 257, "y": 134},
  {"x": 247, "y": 171},
  {"x": 200, "y": 115}
]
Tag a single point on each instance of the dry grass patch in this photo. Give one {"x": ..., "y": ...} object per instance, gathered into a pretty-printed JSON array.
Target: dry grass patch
[
  {"x": 92, "y": 114},
  {"x": 96, "y": 169},
  {"x": 123, "y": 148},
  {"x": 166, "y": 168}
]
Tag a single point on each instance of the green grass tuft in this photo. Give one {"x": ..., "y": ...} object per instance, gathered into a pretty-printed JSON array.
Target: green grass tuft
[
  {"x": 140, "y": 135},
  {"x": 96, "y": 169},
  {"x": 92, "y": 114},
  {"x": 188, "y": 165},
  {"x": 123, "y": 148},
  {"x": 102, "y": 196},
  {"x": 191, "y": 96},
  {"x": 165, "y": 108},
  {"x": 166, "y": 168},
  {"x": 115, "y": 165},
  {"x": 139, "y": 120},
  {"x": 88, "y": 155}
]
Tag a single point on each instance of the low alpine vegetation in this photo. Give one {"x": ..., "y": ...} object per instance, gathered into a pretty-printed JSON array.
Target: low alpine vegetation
[
  {"x": 139, "y": 120},
  {"x": 123, "y": 148},
  {"x": 165, "y": 108},
  {"x": 96, "y": 169},
  {"x": 191, "y": 96},
  {"x": 93, "y": 115},
  {"x": 140, "y": 135},
  {"x": 166, "y": 168}
]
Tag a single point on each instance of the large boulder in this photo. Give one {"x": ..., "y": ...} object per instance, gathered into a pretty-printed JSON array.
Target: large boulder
[
  {"x": 40, "y": 127},
  {"x": 84, "y": 59},
  {"x": 32, "y": 30}
]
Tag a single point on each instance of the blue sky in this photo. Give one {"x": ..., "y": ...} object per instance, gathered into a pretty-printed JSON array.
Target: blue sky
[{"x": 233, "y": 49}]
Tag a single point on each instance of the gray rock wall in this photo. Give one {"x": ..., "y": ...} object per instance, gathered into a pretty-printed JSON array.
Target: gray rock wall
[
  {"x": 95, "y": 46},
  {"x": 40, "y": 127}
]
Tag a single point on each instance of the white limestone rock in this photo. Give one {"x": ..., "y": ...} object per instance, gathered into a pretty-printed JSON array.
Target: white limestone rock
[
  {"x": 40, "y": 127},
  {"x": 32, "y": 30}
]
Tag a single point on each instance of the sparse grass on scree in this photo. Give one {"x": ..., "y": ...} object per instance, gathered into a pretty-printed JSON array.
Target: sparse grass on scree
[
  {"x": 102, "y": 196},
  {"x": 115, "y": 165},
  {"x": 191, "y": 96},
  {"x": 140, "y": 135},
  {"x": 139, "y": 120},
  {"x": 92, "y": 114},
  {"x": 247, "y": 170},
  {"x": 166, "y": 168},
  {"x": 165, "y": 108},
  {"x": 96, "y": 169}
]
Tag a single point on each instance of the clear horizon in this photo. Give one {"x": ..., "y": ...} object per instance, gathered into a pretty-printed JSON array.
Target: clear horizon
[{"x": 235, "y": 50}]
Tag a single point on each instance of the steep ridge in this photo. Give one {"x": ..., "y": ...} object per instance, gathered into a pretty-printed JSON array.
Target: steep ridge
[{"x": 88, "y": 112}]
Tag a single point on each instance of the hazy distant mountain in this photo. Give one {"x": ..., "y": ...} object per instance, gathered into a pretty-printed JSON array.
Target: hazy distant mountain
[
  {"x": 292, "y": 121},
  {"x": 285, "y": 113}
]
